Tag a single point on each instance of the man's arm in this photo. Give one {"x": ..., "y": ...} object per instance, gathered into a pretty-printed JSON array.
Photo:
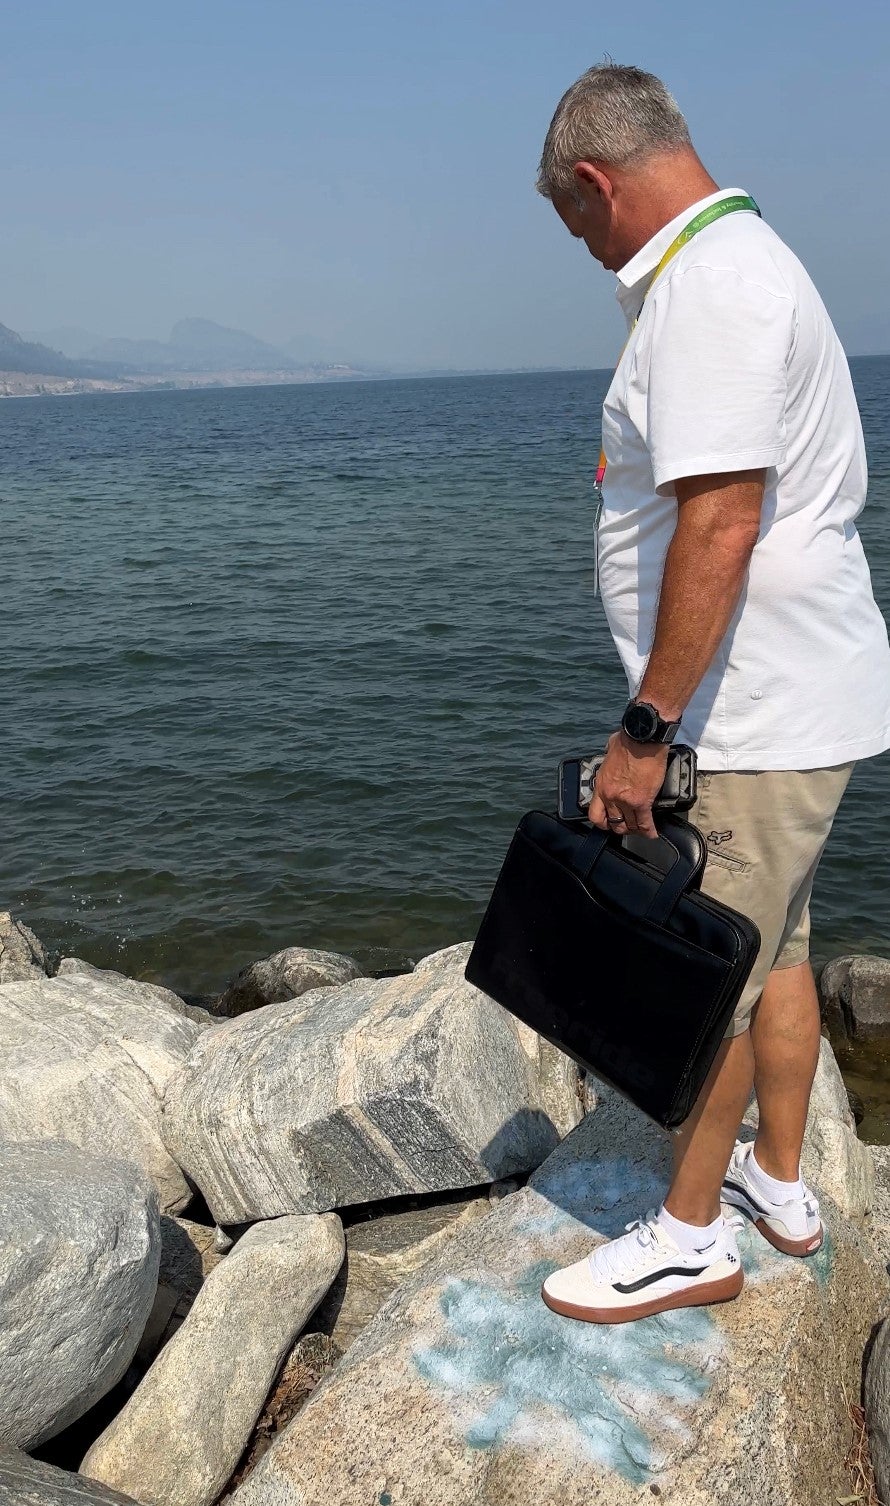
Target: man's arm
[{"x": 718, "y": 524}]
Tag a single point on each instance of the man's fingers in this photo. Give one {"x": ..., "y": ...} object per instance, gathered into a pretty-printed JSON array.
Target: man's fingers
[
  {"x": 645, "y": 822},
  {"x": 596, "y": 813}
]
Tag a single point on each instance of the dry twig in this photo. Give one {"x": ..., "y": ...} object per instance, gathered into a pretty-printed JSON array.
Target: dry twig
[{"x": 858, "y": 1460}]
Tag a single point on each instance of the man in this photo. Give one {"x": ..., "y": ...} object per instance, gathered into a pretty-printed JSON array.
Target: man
[{"x": 740, "y": 602}]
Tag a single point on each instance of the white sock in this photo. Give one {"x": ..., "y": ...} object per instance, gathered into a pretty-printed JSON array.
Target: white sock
[
  {"x": 691, "y": 1238},
  {"x": 768, "y": 1187}
]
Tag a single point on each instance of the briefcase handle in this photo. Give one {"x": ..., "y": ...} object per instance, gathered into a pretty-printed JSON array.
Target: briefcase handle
[{"x": 685, "y": 872}]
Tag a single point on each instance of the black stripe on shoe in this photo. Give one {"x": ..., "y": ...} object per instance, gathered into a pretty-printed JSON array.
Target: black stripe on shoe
[
  {"x": 735, "y": 1187},
  {"x": 671, "y": 1270}
]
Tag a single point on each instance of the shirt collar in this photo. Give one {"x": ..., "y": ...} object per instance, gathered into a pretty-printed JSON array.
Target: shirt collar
[{"x": 636, "y": 275}]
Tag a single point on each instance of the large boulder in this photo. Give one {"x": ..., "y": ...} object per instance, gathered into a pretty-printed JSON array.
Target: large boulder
[
  {"x": 26, "y": 1482},
  {"x": 876, "y": 1396},
  {"x": 558, "y": 1078},
  {"x": 467, "y": 1388},
  {"x": 149, "y": 993},
  {"x": 834, "y": 1158},
  {"x": 452, "y": 959},
  {"x": 285, "y": 975},
  {"x": 878, "y": 1222},
  {"x": 182, "y": 1432},
  {"x": 87, "y": 1061},
  {"x": 856, "y": 996},
  {"x": 79, "y": 1251},
  {"x": 373, "y": 1089},
  {"x": 22, "y": 955}
]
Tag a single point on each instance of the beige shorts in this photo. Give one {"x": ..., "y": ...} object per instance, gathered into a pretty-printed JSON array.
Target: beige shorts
[{"x": 766, "y": 833}]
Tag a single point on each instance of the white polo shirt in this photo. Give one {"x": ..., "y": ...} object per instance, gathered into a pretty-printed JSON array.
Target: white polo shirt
[{"x": 735, "y": 364}]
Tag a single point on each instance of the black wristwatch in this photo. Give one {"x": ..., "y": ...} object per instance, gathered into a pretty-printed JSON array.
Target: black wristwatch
[{"x": 642, "y": 724}]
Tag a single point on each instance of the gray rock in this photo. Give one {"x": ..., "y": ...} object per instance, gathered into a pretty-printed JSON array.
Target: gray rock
[
  {"x": 182, "y": 1432},
  {"x": 163, "y": 1322},
  {"x": 876, "y": 1397},
  {"x": 381, "y": 1253},
  {"x": 834, "y": 1158},
  {"x": 370, "y": 1090},
  {"x": 465, "y": 1388},
  {"x": 557, "y": 1075},
  {"x": 79, "y": 1251},
  {"x": 87, "y": 1061},
  {"x": 451, "y": 959},
  {"x": 856, "y": 996},
  {"x": 285, "y": 975},
  {"x": 26, "y": 1482},
  {"x": 22, "y": 956},
  {"x": 150, "y": 993}
]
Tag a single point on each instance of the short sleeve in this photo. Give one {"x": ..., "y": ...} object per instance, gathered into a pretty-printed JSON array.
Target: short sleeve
[{"x": 718, "y": 352}]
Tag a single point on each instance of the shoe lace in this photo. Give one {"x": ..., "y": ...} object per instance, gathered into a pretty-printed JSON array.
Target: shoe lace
[{"x": 634, "y": 1250}]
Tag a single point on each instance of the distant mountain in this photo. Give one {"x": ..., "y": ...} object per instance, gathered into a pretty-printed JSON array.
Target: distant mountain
[
  {"x": 68, "y": 339},
  {"x": 219, "y": 346},
  {"x": 141, "y": 355},
  {"x": 198, "y": 353},
  {"x": 28, "y": 356},
  {"x": 197, "y": 345}
]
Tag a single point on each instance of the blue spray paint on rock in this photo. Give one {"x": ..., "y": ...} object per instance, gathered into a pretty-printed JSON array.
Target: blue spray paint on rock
[
  {"x": 538, "y": 1371},
  {"x": 623, "y": 1393}
]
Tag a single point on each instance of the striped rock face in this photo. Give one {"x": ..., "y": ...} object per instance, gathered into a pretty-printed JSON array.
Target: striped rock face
[
  {"x": 367, "y": 1090},
  {"x": 466, "y": 1388}
]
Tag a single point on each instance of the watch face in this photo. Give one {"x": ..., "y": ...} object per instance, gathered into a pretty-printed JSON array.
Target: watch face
[{"x": 640, "y": 722}]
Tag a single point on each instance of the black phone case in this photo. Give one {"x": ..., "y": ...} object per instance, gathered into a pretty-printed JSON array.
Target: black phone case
[{"x": 678, "y": 792}]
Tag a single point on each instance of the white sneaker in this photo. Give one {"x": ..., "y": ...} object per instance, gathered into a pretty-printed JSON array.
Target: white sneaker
[
  {"x": 644, "y": 1272},
  {"x": 794, "y": 1227}
]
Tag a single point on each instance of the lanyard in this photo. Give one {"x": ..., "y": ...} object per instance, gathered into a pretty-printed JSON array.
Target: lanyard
[{"x": 705, "y": 217}]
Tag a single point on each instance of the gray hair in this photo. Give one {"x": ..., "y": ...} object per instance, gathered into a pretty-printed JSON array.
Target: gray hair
[{"x": 610, "y": 114}]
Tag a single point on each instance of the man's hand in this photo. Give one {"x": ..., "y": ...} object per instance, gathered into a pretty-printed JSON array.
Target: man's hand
[{"x": 629, "y": 778}]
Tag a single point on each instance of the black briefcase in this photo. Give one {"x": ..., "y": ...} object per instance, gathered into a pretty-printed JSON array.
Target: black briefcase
[{"x": 607, "y": 948}]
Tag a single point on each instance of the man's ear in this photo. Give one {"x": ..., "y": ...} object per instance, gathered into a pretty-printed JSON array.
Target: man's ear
[{"x": 593, "y": 183}]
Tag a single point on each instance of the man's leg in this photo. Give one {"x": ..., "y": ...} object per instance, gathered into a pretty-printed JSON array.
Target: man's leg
[
  {"x": 785, "y": 1035},
  {"x": 779, "y": 1054},
  {"x": 771, "y": 829},
  {"x": 704, "y": 1143},
  {"x": 686, "y": 1255}
]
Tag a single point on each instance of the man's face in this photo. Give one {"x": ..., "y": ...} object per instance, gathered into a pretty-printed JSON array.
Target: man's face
[{"x": 589, "y": 219}]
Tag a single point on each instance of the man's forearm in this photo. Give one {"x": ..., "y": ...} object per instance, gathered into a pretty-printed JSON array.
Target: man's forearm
[{"x": 705, "y": 570}]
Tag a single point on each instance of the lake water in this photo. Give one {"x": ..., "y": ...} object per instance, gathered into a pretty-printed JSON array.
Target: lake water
[{"x": 284, "y": 665}]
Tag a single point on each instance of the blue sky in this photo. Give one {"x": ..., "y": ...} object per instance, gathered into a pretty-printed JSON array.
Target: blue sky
[{"x": 359, "y": 177}]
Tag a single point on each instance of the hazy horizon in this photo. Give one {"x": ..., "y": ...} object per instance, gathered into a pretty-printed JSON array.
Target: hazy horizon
[{"x": 357, "y": 184}]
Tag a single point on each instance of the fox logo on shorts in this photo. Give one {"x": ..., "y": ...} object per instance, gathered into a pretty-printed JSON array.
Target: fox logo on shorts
[{"x": 717, "y": 838}]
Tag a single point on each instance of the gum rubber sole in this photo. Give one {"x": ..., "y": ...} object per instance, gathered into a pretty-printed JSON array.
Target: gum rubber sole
[
  {"x": 800, "y": 1247},
  {"x": 691, "y": 1296}
]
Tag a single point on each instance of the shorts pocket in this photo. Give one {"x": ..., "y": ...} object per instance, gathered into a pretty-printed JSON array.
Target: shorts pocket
[{"x": 727, "y": 861}]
